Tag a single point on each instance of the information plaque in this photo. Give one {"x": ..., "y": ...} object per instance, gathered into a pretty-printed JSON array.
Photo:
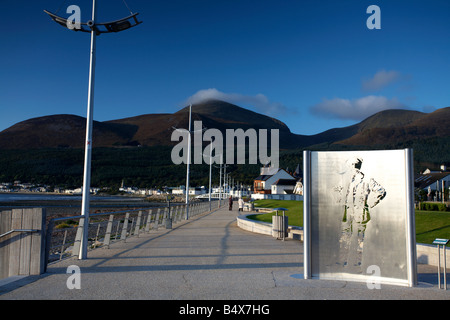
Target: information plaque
[{"x": 440, "y": 241}]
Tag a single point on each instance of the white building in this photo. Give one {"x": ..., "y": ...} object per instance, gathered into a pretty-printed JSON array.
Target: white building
[
  {"x": 284, "y": 186},
  {"x": 192, "y": 191},
  {"x": 277, "y": 184},
  {"x": 269, "y": 176}
]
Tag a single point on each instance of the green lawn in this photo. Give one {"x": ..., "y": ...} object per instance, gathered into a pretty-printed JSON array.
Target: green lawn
[
  {"x": 429, "y": 224},
  {"x": 295, "y": 211}
]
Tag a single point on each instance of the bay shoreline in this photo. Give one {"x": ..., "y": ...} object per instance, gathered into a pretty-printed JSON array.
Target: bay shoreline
[{"x": 65, "y": 206}]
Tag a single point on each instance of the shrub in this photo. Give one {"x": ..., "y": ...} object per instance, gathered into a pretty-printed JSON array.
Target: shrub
[
  {"x": 67, "y": 224},
  {"x": 433, "y": 206}
]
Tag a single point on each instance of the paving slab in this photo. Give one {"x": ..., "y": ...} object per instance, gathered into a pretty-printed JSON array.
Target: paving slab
[{"x": 205, "y": 258}]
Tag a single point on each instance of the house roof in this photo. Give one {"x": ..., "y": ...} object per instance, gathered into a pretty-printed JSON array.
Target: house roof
[
  {"x": 424, "y": 180},
  {"x": 297, "y": 172},
  {"x": 263, "y": 177},
  {"x": 285, "y": 182}
]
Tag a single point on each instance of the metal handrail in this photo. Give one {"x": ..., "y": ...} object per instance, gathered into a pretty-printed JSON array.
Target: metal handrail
[
  {"x": 18, "y": 230},
  {"x": 113, "y": 212},
  {"x": 164, "y": 207}
]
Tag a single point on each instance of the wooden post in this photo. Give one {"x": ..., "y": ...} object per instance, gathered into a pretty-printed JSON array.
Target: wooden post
[
  {"x": 22, "y": 252},
  {"x": 38, "y": 262},
  {"x": 5, "y": 226}
]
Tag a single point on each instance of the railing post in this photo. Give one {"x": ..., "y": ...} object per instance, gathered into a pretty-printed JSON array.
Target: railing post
[
  {"x": 177, "y": 214},
  {"x": 164, "y": 216},
  {"x": 62, "y": 246},
  {"x": 149, "y": 219},
  {"x": 125, "y": 227},
  {"x": 180, "y": 213},
  {"x": 158, "y": 213},
  {"x": 131, "y": 228},
  {"x": 109, "y": 230},
  {"x": 48, "y": 242},
  {"x": 117, "y": 230},
  {"x": 79, "y": 235},
  {"x": 138, "y": 224}
]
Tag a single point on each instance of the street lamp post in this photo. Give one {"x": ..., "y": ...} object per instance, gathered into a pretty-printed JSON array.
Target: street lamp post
[
  {"x": 188, "y": 162},
  {"x": 94, "y": 29},
  {"x": 220, "y": 181},
  {"x": 85, "y": 202},
  {"x": 221, "y": 184},
  {"x": 210, "y": 172}
]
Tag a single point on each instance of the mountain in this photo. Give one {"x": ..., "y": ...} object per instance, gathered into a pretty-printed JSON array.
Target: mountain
[
  {"x": 49, "y": 149},
  {"x": 156, "y": 129},
  {"x": 62, "y": 131},
  {"x": 386, "y": 127},
  {"x": 403, "y": 127}
]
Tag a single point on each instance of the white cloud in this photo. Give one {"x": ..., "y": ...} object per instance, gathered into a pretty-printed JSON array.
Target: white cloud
[
  {"x": 355, "y": 109},
  {"x": 259, "y": 102},
  {"x": 380, "y": 80}
]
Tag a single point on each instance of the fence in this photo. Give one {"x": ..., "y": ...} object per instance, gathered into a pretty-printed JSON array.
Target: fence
[{"x": 63, "y": 235}]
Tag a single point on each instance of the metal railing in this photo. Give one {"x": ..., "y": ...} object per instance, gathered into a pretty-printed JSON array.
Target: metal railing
[
  {"x": 18, "y": 230},
  {"x": 63, "y": 234}
]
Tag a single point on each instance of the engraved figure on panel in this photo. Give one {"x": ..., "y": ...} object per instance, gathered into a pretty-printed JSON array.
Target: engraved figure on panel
[{"x": 357, "y": 195}]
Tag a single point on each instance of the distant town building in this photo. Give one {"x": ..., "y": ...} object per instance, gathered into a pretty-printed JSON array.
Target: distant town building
[
  {"x": 277, "y": 181},
  {"x": 433, "y": 179},
  {"x": 268, "y": 176},
  {"x": 193, "y": 191},
  {"x": 433, "y": 182}
]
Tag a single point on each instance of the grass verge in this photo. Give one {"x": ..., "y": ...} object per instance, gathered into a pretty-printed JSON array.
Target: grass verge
[{"x": 294, "y": 213}]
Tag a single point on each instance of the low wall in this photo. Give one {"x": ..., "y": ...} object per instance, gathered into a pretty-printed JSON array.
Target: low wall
[
  {"x": 426, "y": 253},
  {"x": 258, "y": 196},
  {"x": 265, "y": 228},
  {"x": 254, "y": 226}
]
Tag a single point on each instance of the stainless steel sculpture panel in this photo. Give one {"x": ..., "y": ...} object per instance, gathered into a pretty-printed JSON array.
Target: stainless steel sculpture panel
[{"x": 358, "y": 216}]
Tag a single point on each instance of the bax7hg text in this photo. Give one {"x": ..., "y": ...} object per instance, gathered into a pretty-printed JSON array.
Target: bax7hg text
[{"x": 225, "y": 309}]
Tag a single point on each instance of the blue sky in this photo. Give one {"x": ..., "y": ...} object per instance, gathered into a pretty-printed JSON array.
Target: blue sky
[{"x": 311, "y": 64}]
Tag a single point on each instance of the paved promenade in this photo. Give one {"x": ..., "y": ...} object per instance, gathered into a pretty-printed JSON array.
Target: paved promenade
[{"x": 206, "y": 258}]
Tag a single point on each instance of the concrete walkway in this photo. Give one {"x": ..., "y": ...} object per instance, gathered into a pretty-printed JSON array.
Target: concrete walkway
[{"x": 206, "y": 258}]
